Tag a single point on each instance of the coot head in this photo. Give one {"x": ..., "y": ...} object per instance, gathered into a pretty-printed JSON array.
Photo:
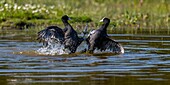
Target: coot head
[
  {"x": 65, "y": 17},
  {"x": 105, "y": 20}
]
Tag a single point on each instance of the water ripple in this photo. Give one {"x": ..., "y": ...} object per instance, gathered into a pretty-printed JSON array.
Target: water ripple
[{"x": 146, "y": 58}]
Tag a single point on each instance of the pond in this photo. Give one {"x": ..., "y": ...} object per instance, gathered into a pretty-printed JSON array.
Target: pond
[{"x": 146, "y": 61}]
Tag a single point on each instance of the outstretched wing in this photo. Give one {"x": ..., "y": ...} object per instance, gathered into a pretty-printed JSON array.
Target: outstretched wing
[
  {"x": 109, "y": 44},
  {"x": 51, "y": 34}
]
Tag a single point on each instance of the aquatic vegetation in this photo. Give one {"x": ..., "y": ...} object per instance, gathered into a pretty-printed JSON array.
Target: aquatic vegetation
[{"x": 140, "y": 14}]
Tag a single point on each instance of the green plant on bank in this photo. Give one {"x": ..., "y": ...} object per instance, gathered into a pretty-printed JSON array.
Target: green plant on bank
[{"x": 140, "y": 14}]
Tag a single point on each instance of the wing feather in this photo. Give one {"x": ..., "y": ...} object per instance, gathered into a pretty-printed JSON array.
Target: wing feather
[
  {"x": 109, "y": 44},
  {"x": 51, "y": 34}
]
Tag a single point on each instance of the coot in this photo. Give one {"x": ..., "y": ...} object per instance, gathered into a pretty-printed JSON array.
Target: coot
[{"x": 98, "y": 39}]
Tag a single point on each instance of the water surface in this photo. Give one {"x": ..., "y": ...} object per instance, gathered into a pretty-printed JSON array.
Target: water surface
[{"x": 146, "y": 61}]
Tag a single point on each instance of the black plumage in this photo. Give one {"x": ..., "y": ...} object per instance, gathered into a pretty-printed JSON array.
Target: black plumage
[
  {"x": 51, "y": 34},
  {"x": 67, "y": 36},
  {"x": 98, "y": 39}
]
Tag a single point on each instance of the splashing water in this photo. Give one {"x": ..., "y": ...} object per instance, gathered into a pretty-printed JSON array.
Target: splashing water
[
  {"x": 58, "y": 49},
  {"x": 53, "y": 49}
]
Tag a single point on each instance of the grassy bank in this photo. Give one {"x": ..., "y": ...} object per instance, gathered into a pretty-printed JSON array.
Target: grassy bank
[{"x": 140, "y": 14}]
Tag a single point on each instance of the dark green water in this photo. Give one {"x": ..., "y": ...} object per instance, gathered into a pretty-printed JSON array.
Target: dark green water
[{"x": 146, "y": 61}]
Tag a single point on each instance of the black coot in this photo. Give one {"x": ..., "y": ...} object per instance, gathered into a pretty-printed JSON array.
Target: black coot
[
  {"x": 98, "y": 39},
  {"x": 67, "y": 36}
]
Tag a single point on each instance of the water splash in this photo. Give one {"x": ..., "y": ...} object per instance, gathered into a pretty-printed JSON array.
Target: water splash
[{"x": 53, "y": 49}]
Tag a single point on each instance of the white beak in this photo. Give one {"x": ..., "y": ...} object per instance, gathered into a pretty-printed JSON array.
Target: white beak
[
  {"x": 69, "y": 18},
  {"x": 101, "y": 20}
]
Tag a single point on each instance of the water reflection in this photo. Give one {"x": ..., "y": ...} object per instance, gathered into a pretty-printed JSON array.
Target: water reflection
[{"x": 146, "y": 61}]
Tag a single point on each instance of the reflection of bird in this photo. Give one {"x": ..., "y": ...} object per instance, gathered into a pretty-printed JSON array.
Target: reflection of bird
[
  {"x": 98, "y": 39},
  {"x": 67, "y": 36}
]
